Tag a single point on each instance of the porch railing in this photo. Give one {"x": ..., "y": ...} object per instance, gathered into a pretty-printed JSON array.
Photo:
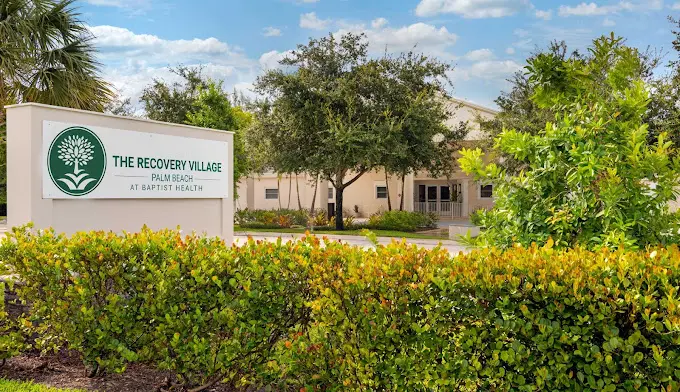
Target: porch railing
[{"x": 444, "y": 209}]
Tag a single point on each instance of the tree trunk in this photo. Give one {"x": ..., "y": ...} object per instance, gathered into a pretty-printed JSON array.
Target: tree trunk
[
  {"x": 316, "y": 187},
  {"x": 297, "y": 188},
  {"x": 387, "y": 186},
  {"x": 401, "y": 202},
  {"x": 339, "y": 222},
  {"x": 278, "y": 189},
  {"x": 290, "y": 188}
]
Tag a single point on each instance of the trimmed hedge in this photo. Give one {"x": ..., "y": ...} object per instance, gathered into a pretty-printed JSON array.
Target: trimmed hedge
[
  {"x": 283, "y": 218},
  {"x": 322, "y": 315},
  {"x": 402, "y": 221}
]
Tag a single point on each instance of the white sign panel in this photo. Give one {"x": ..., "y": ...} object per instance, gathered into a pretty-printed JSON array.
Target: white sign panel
[{"x": 85, "y": 162}]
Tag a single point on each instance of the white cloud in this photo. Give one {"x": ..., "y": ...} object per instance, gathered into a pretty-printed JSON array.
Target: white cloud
[
  {"x": 131, "y": 61},
  {"x": 472, "y": 9},
  {"x": 271, "y": 32},
  {"x": 593, "y": 9},
  {"x": 378, "y": 23},
  {"x": 423, "y": 37},
  {"x": 494, "y": 69},
  {"x": 115, "y": 43},
  {"x": 521, "y": 33},
  {"x": 488, "y": 70},
  {"x": 510, "y": 50},
  {"x": 676, "y": 6},
  {"x": 608, "y": 22},
  {"x": 270, "y": 60},
  {"x": 479, "y": 55},
  {"x": 120, "y": 3},
  {"x": 545, "y": 15},
  {"x": 311, "y": 21}
]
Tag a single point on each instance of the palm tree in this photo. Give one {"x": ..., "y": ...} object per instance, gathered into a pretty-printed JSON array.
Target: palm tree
[{"x": 46, "y": 56}]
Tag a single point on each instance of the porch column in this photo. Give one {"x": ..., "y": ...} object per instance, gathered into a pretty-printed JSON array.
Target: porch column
[
  {"x": 465, "y": 207},
  {"x": 409, "y": 192}
]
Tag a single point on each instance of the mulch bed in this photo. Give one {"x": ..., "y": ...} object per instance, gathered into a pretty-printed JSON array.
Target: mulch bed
[{"x": 66, "y": 370}]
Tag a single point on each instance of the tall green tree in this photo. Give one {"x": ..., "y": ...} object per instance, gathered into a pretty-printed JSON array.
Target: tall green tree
[
  {"x": 519, "y": 111},
  {"x": 589, "y": 176},
  {"x": 336, "y": 113},
  {"x": 320, "y": 118},
  {"x": 199, "y": 101},
  {"x": 414, "y": 97},
  {"x": 170, "y": 102},
  {"x": 46, "y": 56}
]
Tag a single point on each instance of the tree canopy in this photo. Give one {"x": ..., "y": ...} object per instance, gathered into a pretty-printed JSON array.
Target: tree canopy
[
  {"x": 519, "y": 111},
  {"x": 589, "y": 176},
  {"x": 199, "y": 101},
  {"x": 335, "y": 112},
  {"x": 46, "y": 56}
]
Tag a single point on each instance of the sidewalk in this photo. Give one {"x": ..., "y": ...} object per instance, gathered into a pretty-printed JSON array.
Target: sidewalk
[{"x": 451, "y": 246}]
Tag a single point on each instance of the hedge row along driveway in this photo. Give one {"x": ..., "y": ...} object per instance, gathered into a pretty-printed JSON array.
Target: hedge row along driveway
[{"x": 322, "y": 315}]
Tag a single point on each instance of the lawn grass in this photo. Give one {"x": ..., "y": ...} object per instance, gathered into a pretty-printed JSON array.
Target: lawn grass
[
  {"x": 18, "y": 386},
  {"x": 379, "y": 233}
]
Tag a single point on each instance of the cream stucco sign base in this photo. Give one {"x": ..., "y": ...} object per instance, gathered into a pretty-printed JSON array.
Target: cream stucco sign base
[
  {"x": 134, "y": 165},
  {"x": 75, "y": 170}
]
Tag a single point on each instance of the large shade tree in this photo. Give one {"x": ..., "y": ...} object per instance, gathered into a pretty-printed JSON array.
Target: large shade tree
[
  {"x": 589, "y": 177},
  {"x": 336, "y": 113},
  {"x": 46, "y": 56}
]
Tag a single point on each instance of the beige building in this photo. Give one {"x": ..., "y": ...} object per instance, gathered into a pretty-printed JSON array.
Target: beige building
[{"x": 451, "y": 198}]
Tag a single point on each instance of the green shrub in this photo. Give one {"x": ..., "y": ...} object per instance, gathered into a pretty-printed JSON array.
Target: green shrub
[
  {"x": 193, "y": 305},
  {"x": 531, "y": 319},
  {"x": 12, "y": 335},
  {"x": 90, "y": 291},
  {"x": 226, "y": 307},
  {"x": 323, "y": 315},
  {"x": 274, "y": 218},
  {"x": 402, "y": 221},
  {"x": 592, "y": 177}
]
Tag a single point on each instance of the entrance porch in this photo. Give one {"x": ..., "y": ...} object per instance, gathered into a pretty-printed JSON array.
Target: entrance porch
[{"x": 445, "y": 199}]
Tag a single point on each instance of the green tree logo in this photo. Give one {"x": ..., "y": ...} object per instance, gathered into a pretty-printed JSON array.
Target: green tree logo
[{"x": 76, "y": 161}]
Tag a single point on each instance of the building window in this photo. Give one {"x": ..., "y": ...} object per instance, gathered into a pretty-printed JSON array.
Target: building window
[
  {"x": 445, "y": 193},
  {"x": 330, "y": 193},
  {"x": 486, "y": 191},
  {"x": 271, "y": 193},
  {"x": 381, "y": 192}
]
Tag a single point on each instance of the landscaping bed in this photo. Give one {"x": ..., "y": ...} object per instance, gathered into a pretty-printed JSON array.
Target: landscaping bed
[
  {"x": 428, "y": 234},
  {"x": 398, "y": 221},
  {"x": 66, "y": 370}
]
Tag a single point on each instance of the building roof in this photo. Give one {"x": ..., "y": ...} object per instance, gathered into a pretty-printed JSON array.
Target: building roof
[{"x": 475, "y": 106}]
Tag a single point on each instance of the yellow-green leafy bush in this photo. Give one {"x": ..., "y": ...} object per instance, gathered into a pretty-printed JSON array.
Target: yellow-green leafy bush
[
  {"x": 12, "y": 338},
  {"x": 531, "y": 319},
  {"x": 191, "y": 304},
  {"x": 322, "y": 315}
]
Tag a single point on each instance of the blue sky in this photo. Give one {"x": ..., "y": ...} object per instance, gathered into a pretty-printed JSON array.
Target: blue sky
[{"x": 486, "y": 40}]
